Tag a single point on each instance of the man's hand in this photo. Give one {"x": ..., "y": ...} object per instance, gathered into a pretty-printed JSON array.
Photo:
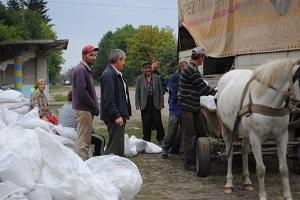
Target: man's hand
[
  {"x": 119, "y": 121},
  {"x": 137, "y": 107}
]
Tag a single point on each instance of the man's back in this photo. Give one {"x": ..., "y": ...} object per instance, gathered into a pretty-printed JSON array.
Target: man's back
[{"x": 67, "y": 116}]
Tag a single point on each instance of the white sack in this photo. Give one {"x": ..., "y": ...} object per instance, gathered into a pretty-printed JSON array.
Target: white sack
[
  {"x": 40, "y": 192},
  {"x": 138, "y": 143},
  {"x": 21, "y": 110},
  {"x": 118, "y": 170},
  {"x": 9, "y": 191},
  {"x": 129, "y": 148},
  {"x": 208, "y": 101},
  {"x": 12, "y": 96},
  {"x": 25, "y": 143},
  {"x": 17, "y": 170},
  {"x": 11, "y": 105},
  {"x": 67, "y": 176},
  {"x": 66, "y": 132},
  {"x": 34, "y": 123},
  {"x": 152, "y": 148},
  {"x": 8, "y": 116}
]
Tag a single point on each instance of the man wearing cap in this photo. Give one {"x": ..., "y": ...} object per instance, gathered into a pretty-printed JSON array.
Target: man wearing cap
[
  {"x": 150, "y": 100},
  {"x": 84, "y": 100},
  {"x": 115, "y": 103},
  {"x": 174, "y": 110},
  {"x": 191, "y": 87}
]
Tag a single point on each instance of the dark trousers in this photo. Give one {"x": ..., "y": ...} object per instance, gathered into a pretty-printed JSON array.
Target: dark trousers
[
  {"x": 173, "y": 127},
  {"x": 116, "y": 139},
  {"x": 191, "y": 129},
  {"x": 152, "y": 116}
]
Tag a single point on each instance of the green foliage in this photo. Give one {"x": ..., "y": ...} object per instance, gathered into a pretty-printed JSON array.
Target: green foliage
[
  {"x": 111, "y": 41},
  {"x": 30, "y": 24},
  {"x": 141, "y": 45},
  {"x": 60, "y": 98},
  {"x": 39, "y": 6},
  {"x": 14, "y": 4},
  {"x": 54, "y": 61}
]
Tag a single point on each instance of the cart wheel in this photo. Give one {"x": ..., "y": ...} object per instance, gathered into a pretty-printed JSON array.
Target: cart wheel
[{"x": 203, "y": 157}]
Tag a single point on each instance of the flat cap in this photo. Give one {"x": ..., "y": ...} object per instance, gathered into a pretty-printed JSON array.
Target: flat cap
[{"x": 198, "y": 51}]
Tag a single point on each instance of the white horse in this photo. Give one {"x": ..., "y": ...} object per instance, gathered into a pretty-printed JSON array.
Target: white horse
[{"x": 272, "y": 84}]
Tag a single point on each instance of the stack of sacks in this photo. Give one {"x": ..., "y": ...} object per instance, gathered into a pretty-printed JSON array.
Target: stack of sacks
[
  {"x": 34, "y": 165},
  {"x": 14, "y": 100}
]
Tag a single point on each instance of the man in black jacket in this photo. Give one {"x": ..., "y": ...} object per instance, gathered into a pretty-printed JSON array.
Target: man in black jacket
[
  {"x": 85, "y": 100},
  {"x": 115, "y": 106}
]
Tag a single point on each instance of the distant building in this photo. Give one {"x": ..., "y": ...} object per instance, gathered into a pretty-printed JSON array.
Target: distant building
[{"x": 23, "y": 62}]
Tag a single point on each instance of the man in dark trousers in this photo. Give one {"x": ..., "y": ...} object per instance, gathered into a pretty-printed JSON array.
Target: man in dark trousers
[
  {"x": 150, "y": 100},
  {"x": 174, "y": 110},
  {"x": 84, "y": 100},
  {"x": 115, "y": 106},
  {"x": 191, "y": 87}
]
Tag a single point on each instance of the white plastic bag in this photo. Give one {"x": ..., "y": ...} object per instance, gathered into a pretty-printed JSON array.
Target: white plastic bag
[
  {"x": 11, "y": 96},
  {"x": 8, "y": 116},
  {"x": 66, "y": 132},
  {"x": 118, "y": 170},
  {"x": 9, "y": 191},
  {"x": 152, "y": 148},
  {"x": 208, "y": 101},
  {"x": 17, "y": 170},
  {"x": 34, "y": 123},
  {"x": 129, "y": 148},
  {"x": 138, "y": 143},
  {"x": 40, "y": 192},
  {"x": 67, "y": 176},
  {"x": 25, "y": 143}
]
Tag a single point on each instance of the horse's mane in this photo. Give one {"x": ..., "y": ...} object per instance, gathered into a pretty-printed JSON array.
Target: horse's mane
[{"x": 273, "y": 71}]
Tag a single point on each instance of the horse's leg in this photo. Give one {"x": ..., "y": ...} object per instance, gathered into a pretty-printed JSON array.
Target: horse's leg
[
  {"x": 256, "y": 142},
  {"x": 283, "y": 168},
  {"x": 247, "y": 184},
  {"x": 228, "y": 188}
]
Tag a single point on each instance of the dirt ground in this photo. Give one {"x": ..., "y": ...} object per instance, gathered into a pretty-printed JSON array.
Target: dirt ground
[{"x": 167, "y": 180}]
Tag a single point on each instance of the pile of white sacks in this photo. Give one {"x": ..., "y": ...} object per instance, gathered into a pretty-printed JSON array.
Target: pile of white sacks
[
  {"x": 38, "y": 164},
  {"x": 14, "y": 100}
]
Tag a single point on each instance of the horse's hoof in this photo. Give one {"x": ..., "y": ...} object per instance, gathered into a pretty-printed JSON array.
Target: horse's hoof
[
  {"x": 228, "y": 190},
  {"x": 248, "y": 187}
]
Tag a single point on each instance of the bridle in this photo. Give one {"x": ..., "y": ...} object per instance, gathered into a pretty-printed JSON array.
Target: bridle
[{"x": 292, "y": 103}]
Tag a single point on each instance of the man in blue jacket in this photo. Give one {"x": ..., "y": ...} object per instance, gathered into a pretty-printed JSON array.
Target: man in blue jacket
[
  {"x": 174, "y": 110},
  {"x": 115, "y": 106}
]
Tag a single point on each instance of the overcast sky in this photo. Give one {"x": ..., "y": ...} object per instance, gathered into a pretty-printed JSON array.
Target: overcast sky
[{"x": 85, "y": 22}]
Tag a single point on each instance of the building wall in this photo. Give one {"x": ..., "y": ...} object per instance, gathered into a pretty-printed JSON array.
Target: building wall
[{"x": 32, "y": 70}]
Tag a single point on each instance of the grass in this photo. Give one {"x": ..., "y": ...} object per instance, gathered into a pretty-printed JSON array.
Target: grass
[
  {"x": 55, "y": 89},
  {"x": 60, "y": 98}
]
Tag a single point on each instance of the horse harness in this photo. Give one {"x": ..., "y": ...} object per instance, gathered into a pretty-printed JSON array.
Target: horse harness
[{"x": 265, "y": 110}]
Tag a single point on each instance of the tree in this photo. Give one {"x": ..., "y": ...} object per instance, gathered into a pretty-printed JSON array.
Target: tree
[
  {"x": 141, "y": 45},
  {"x": 14, "y": 4},
  {"x": 111, "y": 41},
  {"x": 13, "y": 27},
  {"x": 39, "y": 6},
  {"x": 151, "y": 42},
  {"x": 55, "y": 60}
]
